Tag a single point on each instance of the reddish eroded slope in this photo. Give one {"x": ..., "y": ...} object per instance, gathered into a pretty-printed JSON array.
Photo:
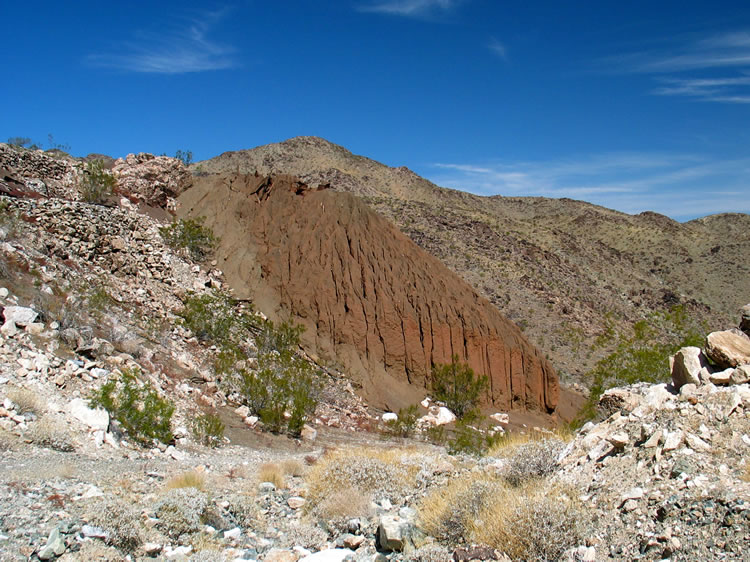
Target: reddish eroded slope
[{"x": 369, "y": 297}]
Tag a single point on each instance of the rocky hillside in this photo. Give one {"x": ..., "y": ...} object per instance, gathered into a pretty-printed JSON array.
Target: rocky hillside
[
  {"x": 565, "y": 271},
  {"x": 371, "y": 300}
]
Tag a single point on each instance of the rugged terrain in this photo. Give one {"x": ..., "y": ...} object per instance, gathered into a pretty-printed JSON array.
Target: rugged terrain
[
  {"x": 371, "y": 299},
  {"x": 565, "y": 271},
  {"x": 88, "y": 291}
]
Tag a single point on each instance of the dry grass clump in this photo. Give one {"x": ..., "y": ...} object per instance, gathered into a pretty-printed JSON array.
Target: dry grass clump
[
  {"x": 532, "y": 460},
  {"x": 357, "y": 476},
  {"x": 27, "y": 401},
  {"x": 447, "y": 513},
  {"x": 343, "y": 504},
  {"x": 305, "y": 535},
  {"x": 293, "y": 467},
  {"x": 52, "y": 433},
  {"x": 121, "y": 522},
  {"x": 272, "y": 473},
  {"x": 189, "y": 479},
  {"x": 529, "y": 522},
  {"x": 8, "y": 441}
]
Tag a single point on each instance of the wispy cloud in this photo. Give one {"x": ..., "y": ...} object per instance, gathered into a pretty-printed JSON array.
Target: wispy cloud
[
  {"x": 498, "y": 48},
  {"x": 682, "y": 186},
  {"x": 410, "y": 8},
  {"x": 184, "y": 49},
  {"x": 711, "y": 68}
]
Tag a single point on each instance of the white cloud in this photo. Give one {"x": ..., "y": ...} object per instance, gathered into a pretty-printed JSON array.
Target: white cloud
[
  {"x": 728, "y": 53},
  {"x": 177, "y": 51},
  {"x": 682, "y": 186},
  {"x": 410, "y": 8},
  {"x": 498, "y": 48}
]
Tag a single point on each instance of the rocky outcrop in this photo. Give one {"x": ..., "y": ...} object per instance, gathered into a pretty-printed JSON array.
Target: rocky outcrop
[
  {"x": 367, "y": 295},
  {"x": 155, "y": 180},
  {"x": 34, "y": 173},
  {"x": 729, "y": 348}
]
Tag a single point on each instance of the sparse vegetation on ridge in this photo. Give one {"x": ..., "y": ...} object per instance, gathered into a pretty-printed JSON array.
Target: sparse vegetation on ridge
[
  {"x": 96, "y": 184},
  {"x": 457, "y": 386},
  {"x": 192, "y": 236}
]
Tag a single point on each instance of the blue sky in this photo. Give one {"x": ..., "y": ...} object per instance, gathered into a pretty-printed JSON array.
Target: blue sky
[{"x": 631, "y": 105}]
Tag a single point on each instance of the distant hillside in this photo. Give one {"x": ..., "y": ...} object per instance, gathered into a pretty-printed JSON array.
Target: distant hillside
[
  {"x": 563, "y": 270},
  {"x": 370, "y": 298}
]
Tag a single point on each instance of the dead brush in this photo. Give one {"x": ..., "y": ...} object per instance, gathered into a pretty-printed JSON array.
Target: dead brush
[
  {"x": 293, "y": 467},
  {"x": 190, "y": 479},
  {"x": 357, "y": 476},
  {"x": 26, "y": 401},
  {"x": 272, "y": 473}
]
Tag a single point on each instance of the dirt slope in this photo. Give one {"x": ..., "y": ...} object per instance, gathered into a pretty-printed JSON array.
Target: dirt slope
[
  {"x": 369, "y": 297},
  {"x": 563, "y": 270}
]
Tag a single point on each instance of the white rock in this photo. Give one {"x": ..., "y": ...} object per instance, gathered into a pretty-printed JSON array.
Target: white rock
[
  {"x": 444, "y": 416},
  {"x": 697, "y": 443},
  {"x": 177, "y": 551},
  {"x": 390, "y": 417},
  {"x": 426, "y": 402},
  {"x": 328, "y": 555},
  {"x": 633, "y": 494},
  {"x": 242, "y": 411},
  {"x": 4, "y": 293},
  {"x": 722, "y": 377},
  {"x": 390, "y": 535},
  {"x": 308, "y": 433},
  {"x": 250, "y": 421},
  {"x": 96, "y": 419},
  {"x": 619, "y": 439},
  {"x": 19, "y": 315},
  {"x": 501, "y": 418},
  {"x": 672, "y": 440},
  {"x": 233, "y": 534}
]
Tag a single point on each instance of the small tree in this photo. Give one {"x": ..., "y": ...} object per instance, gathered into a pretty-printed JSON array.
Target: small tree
[
  {"x": 137, "y": 406},
  {"x": 97, "y": 183},
  {"x": 186, "y": 156},
  {"x": 457, "y": 386},
  {"x": 190, "y": 234}
]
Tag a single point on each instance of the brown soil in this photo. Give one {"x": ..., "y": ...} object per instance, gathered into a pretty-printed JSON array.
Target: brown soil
[{"x": 368, "y": 297}]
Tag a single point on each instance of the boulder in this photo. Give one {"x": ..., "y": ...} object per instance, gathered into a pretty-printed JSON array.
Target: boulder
[
  {"x": 741, "y": 375},
  {"x": 745, "y": 319},
  {"x": 686, "y": 366},
  {"x": 729, "y": 348},
  {"x": 95, "y": 419},
  {"x": 390, "y": 533},
  {"x": 327, "y": 555},
  {"x": 21, "y": 316},
  {"x": 155, "y": 180}
]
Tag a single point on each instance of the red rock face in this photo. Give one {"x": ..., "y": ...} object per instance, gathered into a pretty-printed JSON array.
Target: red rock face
[{"x": 369, "y": 297}]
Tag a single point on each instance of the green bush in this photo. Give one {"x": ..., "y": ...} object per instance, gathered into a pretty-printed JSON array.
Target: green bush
[
  {"x": 283, "y": 384},
  {"x": 186, "y": 156},
  {"x": 137, "y": 406},
  {"x": 456, "y": 385},
  {"x": 191, "y": 235},
  {"x": 208, "y": 429},
  {"x": 642, "y": 356},
  {"x": 212, "y": 317},
  {"x": 405, "y": 424},
  {"x": 97, "y": 184}
]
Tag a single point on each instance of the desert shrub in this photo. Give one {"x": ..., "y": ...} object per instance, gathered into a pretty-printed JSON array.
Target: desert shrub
[
  {"x": 642, "y": 356},
  {"x": 189, "y": 479},
  {"x": 120, "y": 521},
  {"x": 52, "y": 433},
  {"x": 181, "y": 511},
  {"x": 26, "y": 401},
  {"x": 99, "y": 299},
  {"x": 244, "y": 511},
  {"x": 283, "y": 391},
  {"x": 137, "y": 406},
  {"x": 185, "y": 156},
  {"x": 535, "y": 459},
  {"x": 272, "y": 473},
  {"x": 432, "y": 552},
  {"x": 96, "y": 184},
  {"x": 344, "y": 482},
  {"x": 190, "y": 234},
  {"x": 532, "y": 523},
  {"x": 208, "y": 429},
  {"x": 24, "y": 142},
  {"x": 405, "y": 424},
  {"x": 212, "y": 317},
  {"x": 447, "y": 513},
  {"x": 305, "y": 535},
  {"x": 457, "y": 386},
  {"x": 8, "y": 441}
]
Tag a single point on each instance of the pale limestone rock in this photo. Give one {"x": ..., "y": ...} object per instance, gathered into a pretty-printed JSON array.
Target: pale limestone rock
[
  {"x": 390, "y": 417},
  {"x": 327, "y": 555},
  {"x": 686, "y": 366},
  {"x": 619, "y": 439},
  {"x": 501, "y": 418},
  {"x": 21, "y": 316},
  {"x": 309, "y": 433},
  {"x": 98, "y": 419},
  {"x": 296, "y": 502},
  {"x": 741, "y": 375},
  {"x": 672, "y": 440},
  {"x": 390, "y": 535},
  {"x": 722, "y": 377},
  {"x": 729, "y": 348}
]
